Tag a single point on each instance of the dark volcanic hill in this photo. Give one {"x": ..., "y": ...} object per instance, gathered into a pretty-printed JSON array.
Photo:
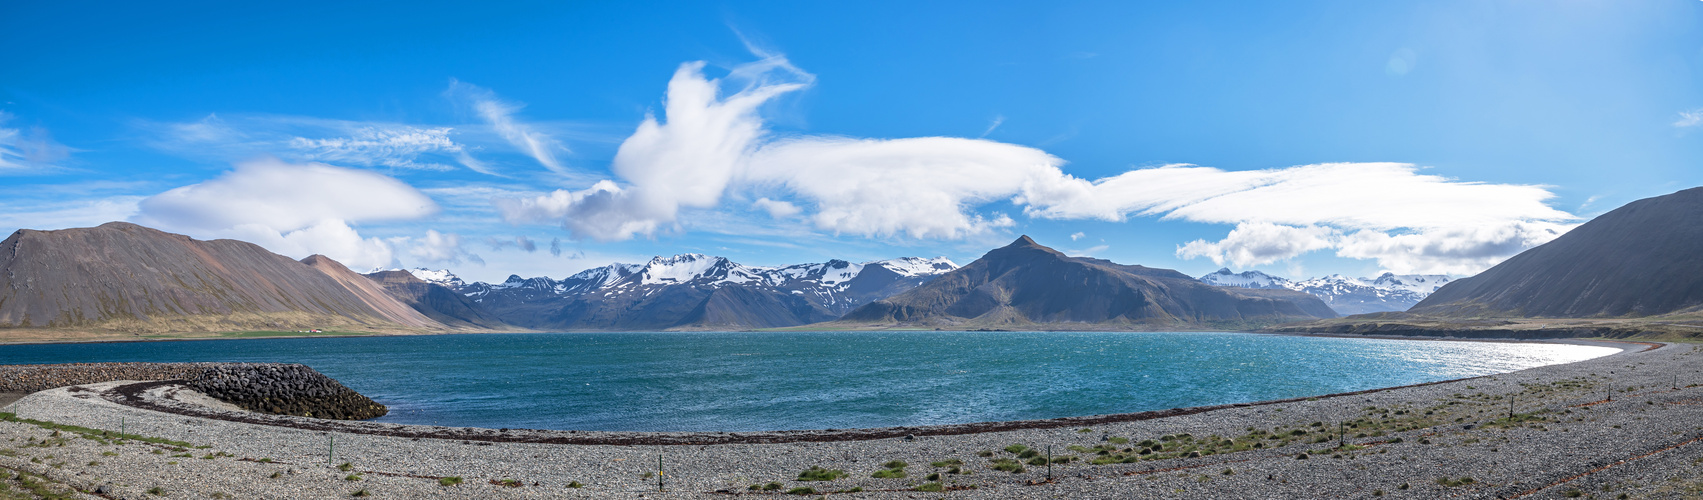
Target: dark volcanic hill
[
  {"x": 1025, "y": 283},
  {"x": 122, "y": 276},
  {"x": 1642, "y": 259},
  {"x": 436, "y": 301}
]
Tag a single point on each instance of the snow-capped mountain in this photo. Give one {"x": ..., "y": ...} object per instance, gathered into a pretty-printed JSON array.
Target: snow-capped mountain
[
  {"x": 690, "y": 290},
  {"x": 1346, "y": 295},
  {"x": 436, "y": 277}
]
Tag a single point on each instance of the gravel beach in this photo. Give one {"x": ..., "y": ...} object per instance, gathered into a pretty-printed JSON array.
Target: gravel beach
[{"x": 1453, "y": 439}]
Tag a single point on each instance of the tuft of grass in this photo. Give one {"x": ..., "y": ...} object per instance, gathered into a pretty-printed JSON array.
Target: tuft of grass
[
  {"x": 361, "y": 493},
  {"x": 801, "y": 490},
  {"x": 896, "y": 464},
  {"x": 276, "y": 475},
  {"x": 346, "y": 467},
  {"x": 817, "y": 473},
  {"x": 156, "y": 491},
  {"x": 449, "y": 481},
  {"x": 576, "y": 484},
  {"x": 1007, "y": 465},
  {"x": 934, "y": 486},
  {"x": 352, "y": 477},
  {"x": 1016, "y": 449},
  {"x": 889, "y": 474}
]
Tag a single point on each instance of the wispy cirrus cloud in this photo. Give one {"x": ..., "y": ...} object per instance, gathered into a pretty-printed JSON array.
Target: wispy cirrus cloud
[
  {"x": 1690, "y": 118},
  {"x": 500, "y": 115},
  {"x": 27, "y": 151},
  {"x": 298, "y": 138}
]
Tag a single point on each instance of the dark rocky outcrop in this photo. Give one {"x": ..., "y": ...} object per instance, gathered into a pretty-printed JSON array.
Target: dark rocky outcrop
[
  {"x": 1025, "y": 284},
  {"x": 126, "y": 277},
  {"x": 1642, "y": 259},
  {"x": 283, "y": 389}
]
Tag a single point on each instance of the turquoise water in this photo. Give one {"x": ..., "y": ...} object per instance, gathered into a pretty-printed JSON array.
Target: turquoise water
[{"x": 746, "y": 381}]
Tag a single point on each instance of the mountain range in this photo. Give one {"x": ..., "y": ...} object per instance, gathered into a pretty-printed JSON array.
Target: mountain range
[
  {"x": 1345, "y": 295},
  {"x": 692, "y": 292},
  {"x": 1029, "y": 286}
]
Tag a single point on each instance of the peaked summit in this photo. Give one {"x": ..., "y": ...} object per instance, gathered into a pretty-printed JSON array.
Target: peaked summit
[{"x": 1025, "y": 284}]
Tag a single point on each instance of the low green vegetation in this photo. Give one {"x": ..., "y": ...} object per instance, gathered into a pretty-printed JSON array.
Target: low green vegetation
[
  {"x": 449, "y": 481},
  {"x": 816, "y": 473},
  {"x": 1450, "y": 483},
  {"x": 100, "y": 436}
]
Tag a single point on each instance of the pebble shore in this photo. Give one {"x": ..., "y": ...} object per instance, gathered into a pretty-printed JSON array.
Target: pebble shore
[{"x": 1452, "y": 439}]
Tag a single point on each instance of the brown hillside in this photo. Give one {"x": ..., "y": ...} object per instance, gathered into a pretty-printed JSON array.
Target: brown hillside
[{"x": 122, "y": 276}]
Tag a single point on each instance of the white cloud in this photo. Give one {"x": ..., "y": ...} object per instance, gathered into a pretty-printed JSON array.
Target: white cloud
[
  {"x": 293, "y": 209},
  {"x": 1690, "y": 118},
  {"x": 707, "y": 144},
  {"x": 438, "y": 248},
  {"x": 777, "y": 209},
  {"x": 1458, "y": 251},
  {"x": 27, "y": 151},
  {"x": 399, "y": 147},
  {"x": 1077, "y": 236},
  {"x": 1258, "y": 243},
  {"x": 500, "y": 115}
]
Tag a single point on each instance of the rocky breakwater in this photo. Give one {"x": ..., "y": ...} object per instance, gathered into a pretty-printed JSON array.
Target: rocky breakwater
[
  {"x": 33, "y": 378},
  {"x": 284, "y": 389}
]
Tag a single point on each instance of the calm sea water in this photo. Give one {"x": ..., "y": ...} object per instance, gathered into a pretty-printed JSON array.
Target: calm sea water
[{"x": 744, "y": 381}]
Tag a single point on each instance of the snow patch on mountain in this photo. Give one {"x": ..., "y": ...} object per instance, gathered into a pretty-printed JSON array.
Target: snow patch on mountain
[
  {"x": 436, "y": 277},
  {"x": 1346, "y": 295}
]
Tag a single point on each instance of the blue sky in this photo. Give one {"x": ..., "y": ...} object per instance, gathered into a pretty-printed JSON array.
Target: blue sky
[{"x": 1300, "y": 138}]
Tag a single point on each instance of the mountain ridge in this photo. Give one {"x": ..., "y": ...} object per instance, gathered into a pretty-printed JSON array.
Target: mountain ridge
[
  {"x": 1019, "y": 285},
  {"x": 124, "y": 277},
  {"x": 1345, "y": 295},
  {"x": 1641, "y": 259}
]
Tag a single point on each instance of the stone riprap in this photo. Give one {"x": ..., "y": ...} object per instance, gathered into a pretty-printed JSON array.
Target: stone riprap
[
  {"x": 32, "y": 378},
  {"x": 282, "y": 389}
]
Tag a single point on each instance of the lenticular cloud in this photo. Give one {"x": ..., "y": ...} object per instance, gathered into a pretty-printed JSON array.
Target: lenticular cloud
[
  {"x": 709, "y": 143},
  {"x": 299, "y": 210}
]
